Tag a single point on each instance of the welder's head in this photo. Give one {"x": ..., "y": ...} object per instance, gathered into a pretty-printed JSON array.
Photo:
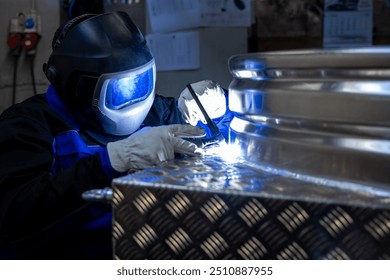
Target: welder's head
[{"x": 102, "y": 68}]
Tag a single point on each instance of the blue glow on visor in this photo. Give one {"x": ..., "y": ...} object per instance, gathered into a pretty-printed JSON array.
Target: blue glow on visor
[{"x": 128, "y": 90}]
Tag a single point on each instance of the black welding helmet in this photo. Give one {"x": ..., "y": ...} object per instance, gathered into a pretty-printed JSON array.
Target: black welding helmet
[{"x": 102, "y": 68}]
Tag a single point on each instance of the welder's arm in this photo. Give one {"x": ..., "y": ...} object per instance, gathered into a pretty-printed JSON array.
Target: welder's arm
[
  {"x": 31, "y": 196},
  {"x": 152, "y": 145}
]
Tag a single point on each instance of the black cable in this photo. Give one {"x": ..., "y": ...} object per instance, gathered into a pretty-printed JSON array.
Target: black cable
[
  {"x": 16, "y": 51},
  {"x": 32, "y": 73},
  {"x": 16, "y": 59}
]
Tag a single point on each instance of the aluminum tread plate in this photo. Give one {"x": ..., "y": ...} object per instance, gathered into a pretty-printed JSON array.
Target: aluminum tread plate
[{"x": 208, "y": 208}]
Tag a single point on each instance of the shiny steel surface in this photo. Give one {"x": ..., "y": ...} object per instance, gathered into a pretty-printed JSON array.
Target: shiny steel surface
[
  {"x": 315, "y": 64},
  {"x": 214, "y": 174},
  {"x": 98, "y": 195},
  {"x": 326, "y": 156},
  {"x": 318, "y": 115},
  {"x": 352, "y": 102}
]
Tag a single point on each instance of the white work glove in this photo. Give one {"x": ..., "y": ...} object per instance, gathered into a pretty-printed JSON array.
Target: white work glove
[
  {"x": 152, "y": 145},
  {"x": 212, "y": 97}
]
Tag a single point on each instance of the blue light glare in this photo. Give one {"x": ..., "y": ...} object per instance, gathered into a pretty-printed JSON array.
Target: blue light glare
[{"x": 128, "y": 90}]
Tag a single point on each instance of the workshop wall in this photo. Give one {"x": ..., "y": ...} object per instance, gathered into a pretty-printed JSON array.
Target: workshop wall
[
  {"x": 294, "y": 24},
  {"x": 280, "y": 24},
  {"x": 49, "y": 12}
]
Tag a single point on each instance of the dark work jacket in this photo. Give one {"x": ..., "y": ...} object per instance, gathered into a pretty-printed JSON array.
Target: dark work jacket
[{"x": 46, "y": 163}]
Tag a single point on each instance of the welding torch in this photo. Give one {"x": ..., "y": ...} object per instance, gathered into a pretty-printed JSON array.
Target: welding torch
[{"x": 216, "y": 137}]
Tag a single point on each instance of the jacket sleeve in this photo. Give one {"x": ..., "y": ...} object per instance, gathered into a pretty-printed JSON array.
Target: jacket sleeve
[{"x": 31, "y": 197}]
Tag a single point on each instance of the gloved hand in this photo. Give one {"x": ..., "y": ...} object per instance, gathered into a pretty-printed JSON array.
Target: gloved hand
[
  {"x": 212, "y": 97},
  {"x": 152, "y": 145}
]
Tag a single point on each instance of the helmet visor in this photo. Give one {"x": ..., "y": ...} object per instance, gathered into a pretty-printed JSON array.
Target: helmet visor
[{"x": 126, "y": 88}]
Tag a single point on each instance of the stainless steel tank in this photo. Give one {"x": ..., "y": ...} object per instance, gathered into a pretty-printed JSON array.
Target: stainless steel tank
[{"x": 318, "y": 115}]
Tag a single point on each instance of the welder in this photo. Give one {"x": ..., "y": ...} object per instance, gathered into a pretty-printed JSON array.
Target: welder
[{"x": 99, "y": 119}]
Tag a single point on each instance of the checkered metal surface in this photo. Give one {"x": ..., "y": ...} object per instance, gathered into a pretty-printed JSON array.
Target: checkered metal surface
[{"x": 211, "y": 209}]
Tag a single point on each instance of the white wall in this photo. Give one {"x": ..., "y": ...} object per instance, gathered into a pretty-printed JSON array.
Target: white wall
[
  {"x": 49, "y": 11},
  {"x": 217, "y": 45}
]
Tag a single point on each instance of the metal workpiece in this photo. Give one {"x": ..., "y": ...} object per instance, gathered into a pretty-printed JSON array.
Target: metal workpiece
[
  {"x": 318, "y": 115},
  {"x": 347, "y": 86},
  {"x": 313, "y": 64},
  {"x": 210, "y": 208},
  {"x": 213, "y": 174},
  {"x": 98, "y": 195},
  {"x": 347, "y": 102},
  {"x": 329, "y": 156}
]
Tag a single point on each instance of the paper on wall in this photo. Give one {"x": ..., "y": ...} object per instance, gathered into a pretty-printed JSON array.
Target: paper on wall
[
  {"x": 174, "y": 15},
  {"x": 226, "y": 13},
  {"x": 347, "y": 23},
  {"x": 175, "y": 51}
]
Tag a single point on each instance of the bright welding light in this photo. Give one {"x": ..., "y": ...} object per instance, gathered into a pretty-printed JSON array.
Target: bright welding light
[
  {"x": 228, "y": 152},
  {"x": 245, "y": 74}
]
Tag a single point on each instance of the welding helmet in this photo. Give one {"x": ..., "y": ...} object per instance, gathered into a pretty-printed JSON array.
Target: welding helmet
[{"x": 102, "y": 69}]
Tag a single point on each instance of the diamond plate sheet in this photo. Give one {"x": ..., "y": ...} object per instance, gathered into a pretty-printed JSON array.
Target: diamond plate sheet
[{"x": 208, "y": 208}]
